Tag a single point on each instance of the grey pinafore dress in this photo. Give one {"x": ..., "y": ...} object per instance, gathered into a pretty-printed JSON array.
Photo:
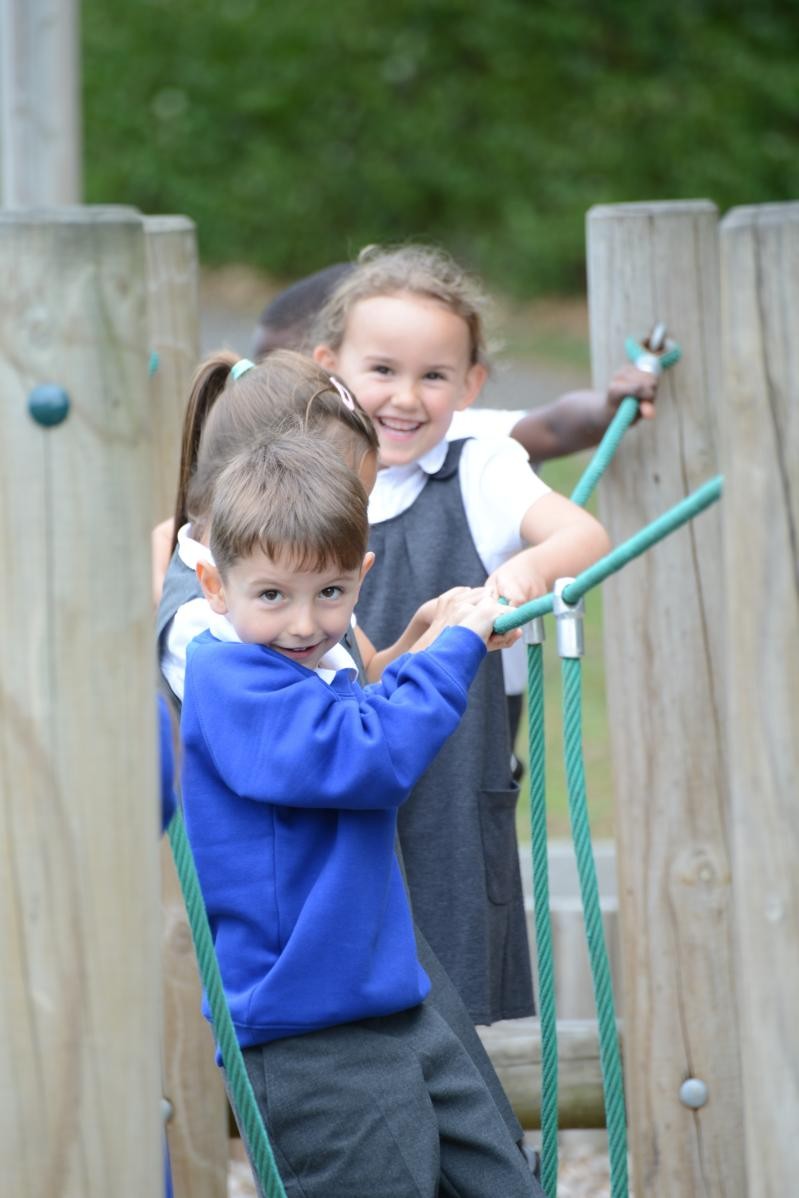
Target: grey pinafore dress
[
  {"x": 180, "y": 586},
  {"x": 457, "y": 830}
]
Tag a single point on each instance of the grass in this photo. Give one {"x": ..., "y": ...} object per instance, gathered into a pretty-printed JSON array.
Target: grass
[{"x": 562, "y": 476}]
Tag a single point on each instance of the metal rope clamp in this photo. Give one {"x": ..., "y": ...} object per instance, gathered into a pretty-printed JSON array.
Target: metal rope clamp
[
  {"x": 568, "y": 621},
  {"x": 656, "y": 353},
  {"x": 534, "y": 632}
]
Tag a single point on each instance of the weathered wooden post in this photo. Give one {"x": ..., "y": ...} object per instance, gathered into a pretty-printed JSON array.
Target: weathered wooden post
[
  {"x": 198, "y": 1127},
  {"x": 664, "y": 655},
  {"x": 40, "y": 125},
  {"x": 760, "y": 305},
  {"x": 80, "y": 984},
  {"x": 174, "y": 342}
]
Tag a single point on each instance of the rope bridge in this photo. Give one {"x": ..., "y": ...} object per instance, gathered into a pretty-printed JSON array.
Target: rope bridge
[{"x": 567, "y": 604}]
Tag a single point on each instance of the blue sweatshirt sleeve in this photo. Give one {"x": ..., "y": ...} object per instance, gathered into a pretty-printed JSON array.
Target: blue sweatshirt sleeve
[{"x": 277, "y": 733}]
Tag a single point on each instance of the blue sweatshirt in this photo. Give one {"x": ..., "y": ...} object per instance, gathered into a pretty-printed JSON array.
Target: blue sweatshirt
[{"x": 290, "y": 793}]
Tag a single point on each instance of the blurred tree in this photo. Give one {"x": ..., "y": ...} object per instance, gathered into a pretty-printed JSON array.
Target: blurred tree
[{"x": 294, "y": 134}]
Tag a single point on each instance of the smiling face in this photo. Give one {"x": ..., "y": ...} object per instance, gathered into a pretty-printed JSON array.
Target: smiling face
[
  {"x": 301, "y": 614},
  {"x": 408, "y": 360}
]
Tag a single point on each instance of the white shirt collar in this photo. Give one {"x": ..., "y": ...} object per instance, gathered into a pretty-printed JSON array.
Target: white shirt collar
[
  {"x": 190, "y": 551},
  {"x": 430, "y": 463},
  {"x": 334, "y": 660}
]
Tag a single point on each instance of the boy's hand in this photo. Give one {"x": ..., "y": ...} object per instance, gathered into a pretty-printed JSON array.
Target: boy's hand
[
  {"x": 479, "y": 610},
  {"x": 629, "y": 380}
]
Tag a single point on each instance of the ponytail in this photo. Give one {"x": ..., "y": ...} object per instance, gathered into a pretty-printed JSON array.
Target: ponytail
[{"x": 206, "y": 387}]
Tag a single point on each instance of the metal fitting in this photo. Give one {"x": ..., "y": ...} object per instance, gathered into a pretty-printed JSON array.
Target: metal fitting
[
  {"x": 648, "y": 362},
  {"x": 693, "y": 1093},
  {"x": 568, "y": 621},
  {"x": 534, "y": 632}
]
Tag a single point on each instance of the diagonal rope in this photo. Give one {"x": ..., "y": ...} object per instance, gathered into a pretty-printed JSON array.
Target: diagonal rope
[
  {"x": 644, "y": 539},
  {"x": 252, "y": 1125}
]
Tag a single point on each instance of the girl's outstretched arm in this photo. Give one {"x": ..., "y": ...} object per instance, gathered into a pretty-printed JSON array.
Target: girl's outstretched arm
[{"x": 564, "y": 539}]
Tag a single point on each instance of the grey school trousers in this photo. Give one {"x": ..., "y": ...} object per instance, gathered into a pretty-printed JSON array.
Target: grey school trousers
[{"x": 385, "y": 1108}]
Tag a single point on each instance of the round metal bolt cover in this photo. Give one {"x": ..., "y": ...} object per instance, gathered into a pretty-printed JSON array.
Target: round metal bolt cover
[
  {"x": 48, "y": 404},
  {"x": 693, "y": 1093}
]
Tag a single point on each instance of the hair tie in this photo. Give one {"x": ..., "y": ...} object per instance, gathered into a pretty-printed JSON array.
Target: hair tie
[
  {"x": 241, "y": 367},
  {"x": 345, "y": 394}
]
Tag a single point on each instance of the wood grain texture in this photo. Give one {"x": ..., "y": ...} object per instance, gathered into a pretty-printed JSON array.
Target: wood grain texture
[
  {"x": 174, "y": 336},
  {"x": 760, "y": 305},
  {"x": 665, "y": 678},
  {"x": 80, "y": 982}
]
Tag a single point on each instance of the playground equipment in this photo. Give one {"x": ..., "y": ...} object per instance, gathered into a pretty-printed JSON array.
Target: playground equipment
[{"x": 705, "y": 775}]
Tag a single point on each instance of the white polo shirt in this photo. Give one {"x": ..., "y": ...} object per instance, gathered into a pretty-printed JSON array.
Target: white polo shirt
[{"x": 497, "y": 486}]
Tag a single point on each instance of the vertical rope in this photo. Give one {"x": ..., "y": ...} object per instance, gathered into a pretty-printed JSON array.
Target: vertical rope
[
  {"x": 543, "y": 922},
  {"x": 609, "y": 1054},
  {"x": 252, "y": 1125}
]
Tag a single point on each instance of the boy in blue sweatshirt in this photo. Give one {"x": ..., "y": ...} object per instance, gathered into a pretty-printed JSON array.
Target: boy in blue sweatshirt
[{"x": 292, "y": 776}]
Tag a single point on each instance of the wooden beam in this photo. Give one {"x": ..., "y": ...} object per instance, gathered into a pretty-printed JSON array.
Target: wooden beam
[{"x": 515, "y": 1050}]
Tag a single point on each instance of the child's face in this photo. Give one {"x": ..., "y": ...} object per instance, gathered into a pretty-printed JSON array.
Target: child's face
[
  {"x": 299, "y": 613},
  {"x": 407, "y": 358}
]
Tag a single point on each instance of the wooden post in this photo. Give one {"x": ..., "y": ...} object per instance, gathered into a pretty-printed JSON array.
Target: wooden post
[
  {"x": 80, "y": 982},
  {"x": 664, "y": 657},
  {"x": 174, "y": 330},
  {"x": 760, "y": 305},
  {"x": 198, "y": 1127},
  {"x": 40, "y": 126}
]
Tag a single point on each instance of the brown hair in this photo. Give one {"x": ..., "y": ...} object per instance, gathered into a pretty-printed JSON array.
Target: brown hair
[
  {"x": 285, "y": 393},
  {"x": 293, "y": 495},
  {"x": 423, "y": 270}
]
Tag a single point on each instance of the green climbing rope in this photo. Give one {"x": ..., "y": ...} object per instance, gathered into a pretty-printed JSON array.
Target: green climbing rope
[
  {"x": 543, "y": 923},
  {"x": 245, "y": 1105},
  {"x": 609, "y": 1053}
]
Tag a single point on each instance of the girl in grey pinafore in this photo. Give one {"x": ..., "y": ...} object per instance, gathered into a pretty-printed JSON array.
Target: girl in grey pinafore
[{"x": 457, "y": 830}]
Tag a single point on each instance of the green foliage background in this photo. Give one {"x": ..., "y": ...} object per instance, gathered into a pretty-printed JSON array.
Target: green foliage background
[{"x": 294, "y": 133}]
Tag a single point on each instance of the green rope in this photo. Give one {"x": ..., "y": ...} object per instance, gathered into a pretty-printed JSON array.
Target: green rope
[
  {"x": 625, "y": 415},
  {"x": 647, "y": 536},
  {"x": 605, "y": 451},
  {"x": 609, "y": 1054},
  {"x": 246, "y": 1107},
  {"x": 543, "y": 923}
]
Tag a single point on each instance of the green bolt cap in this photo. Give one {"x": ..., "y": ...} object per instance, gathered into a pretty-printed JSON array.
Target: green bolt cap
[{"x": 48, "y": 404}]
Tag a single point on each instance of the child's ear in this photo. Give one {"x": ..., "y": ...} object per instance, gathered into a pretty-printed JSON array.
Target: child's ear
[
  {"x": 324, "y": 355},
  {"x": 211, "y": 582},
  {"x": 368, "y": 562},
  {"x": 475, "y": 380}
]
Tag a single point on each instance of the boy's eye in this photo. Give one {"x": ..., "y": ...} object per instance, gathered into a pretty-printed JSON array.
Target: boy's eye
[
  {"x": 436, "y": 375},
  {"x": 380, "y": 369},
  {"x": 331, "y": 592},
  {"x": 270, "y": 596}
]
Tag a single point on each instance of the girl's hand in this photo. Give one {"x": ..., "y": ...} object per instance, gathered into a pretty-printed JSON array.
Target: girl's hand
[{"x": 517, "y": 580}]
